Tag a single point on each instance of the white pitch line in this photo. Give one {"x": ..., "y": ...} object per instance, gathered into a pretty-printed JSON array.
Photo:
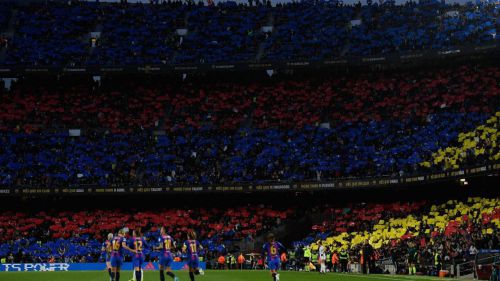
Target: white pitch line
[
  {"x": 402, "y": 277},
  {"x": 424, "y": 277},
  {"x": 381, "y": 277}
]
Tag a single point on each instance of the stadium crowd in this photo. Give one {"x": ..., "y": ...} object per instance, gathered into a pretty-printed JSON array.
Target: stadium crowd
[
  {"x": 224, "y": 132},
  {"x": 65, "y": 236},
  {"x": 478, "y": 145},
  {"x": 426, "y": 235},
  {"x": 421, "y": 235},
  {"x": 114, "y": 131},
  {"x": 55, "y": 33}
]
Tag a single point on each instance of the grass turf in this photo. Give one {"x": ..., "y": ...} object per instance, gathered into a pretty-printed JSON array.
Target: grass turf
[{"x": 209, "y": 276}]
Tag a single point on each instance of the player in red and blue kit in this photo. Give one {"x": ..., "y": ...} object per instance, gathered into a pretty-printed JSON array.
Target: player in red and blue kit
[
  {"x": 117, "y": 245},
  {"x": 166, "y": 258},
  {"x": 106, "y": 250},
  {"x": 137, "y": 246},
  {"x": 191, "y": 248},
  {"x": 272, "y": 249}
]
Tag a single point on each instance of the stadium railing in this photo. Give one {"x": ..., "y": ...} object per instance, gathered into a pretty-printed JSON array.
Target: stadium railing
[
  {"x": 346, "y": 183},
  {"x": 469, "y": 268},
  {"x": 396, "y": 59}
]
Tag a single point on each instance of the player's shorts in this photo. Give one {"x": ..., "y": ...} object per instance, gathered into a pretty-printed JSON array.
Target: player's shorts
[
  {"x": 138, "y": 260},
  {"x": 108, "y": 257},
  {"x": 116, "y": 261},
  {"x": 193, "y": 262},
  {"x": 274, "y": 264},
  {"x": 166, "y": 260}
]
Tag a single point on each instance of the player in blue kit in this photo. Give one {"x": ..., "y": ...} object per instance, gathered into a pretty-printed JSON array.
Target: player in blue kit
[
  {"x": 166, "y": 258},
  {"x": 191, "y": 248},
  {"x": 137, "y": 246},
  {"x": 272, "y": 249},
  {"x": 117, "y": 245},
  {"x": 106, "y": 250}
]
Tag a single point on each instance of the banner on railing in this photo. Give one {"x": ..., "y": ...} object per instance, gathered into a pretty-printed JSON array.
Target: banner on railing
[
  {"x": 251, "y": 187},
  {"x": 489, "y": 251},
  {"x": 392, "y": 59},
  {"x": 84, "y": 266}
]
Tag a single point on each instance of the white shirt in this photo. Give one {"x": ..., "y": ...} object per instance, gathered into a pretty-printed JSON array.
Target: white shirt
[{"x": 322, "y": 252}]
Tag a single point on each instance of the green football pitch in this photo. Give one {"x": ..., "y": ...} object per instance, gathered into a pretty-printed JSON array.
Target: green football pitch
[{"x": 209, "y": 276}]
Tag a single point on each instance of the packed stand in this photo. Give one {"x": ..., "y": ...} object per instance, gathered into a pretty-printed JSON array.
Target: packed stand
[
  {"x": 478, "y": 146},
  {"x": 360, "y": 217},
  {"x": 221, "y": 133},
  {"x": 433, "y": 236},
  {"x": 51, "y": 35},
  {"x": 77, "y": 236},
  {"x": 377, "y": 29},
  {"x": 52, "y": 160},
  {"x": 149, "y": 33},
  {"x": 305, "y": 31},
  {"x": 233, "y": 33},
  {"x": 124, "y": 105},
  {"x": 389, "y": 29},
  {"x": 29, "y": 108},
  {"x": 89, "y": 33}
]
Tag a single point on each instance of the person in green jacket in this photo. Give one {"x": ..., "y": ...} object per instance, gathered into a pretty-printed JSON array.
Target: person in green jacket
[
  {"x": 344, "y": 259},
  {"x": 412, "y": 259},
  {"x": 307, "y": 257},
  {"x": 314, "y": 258}
]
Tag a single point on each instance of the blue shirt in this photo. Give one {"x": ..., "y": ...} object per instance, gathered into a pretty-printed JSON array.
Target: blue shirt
[
  {"x": 117, "y": 248},
  {"x": 192, "y": 247},
  {"x": 167, "y": 243},
  {"x": 107, "y": 246},
  {"x": 272, "y": 250},
  {"x": 138, "y": 244}
]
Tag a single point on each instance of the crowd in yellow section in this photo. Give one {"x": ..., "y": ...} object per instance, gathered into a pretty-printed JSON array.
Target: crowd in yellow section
[
  {"x": 434, "y": 235},
  {"x": 475, "y": 147}
]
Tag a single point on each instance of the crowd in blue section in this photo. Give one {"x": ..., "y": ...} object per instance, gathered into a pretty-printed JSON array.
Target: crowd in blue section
[
  {"x": 82, "y": 249},
  {"x": 375, "y": 148},
  {"x": 41, "y": 252},
  {"x": 59, "y": 34}
]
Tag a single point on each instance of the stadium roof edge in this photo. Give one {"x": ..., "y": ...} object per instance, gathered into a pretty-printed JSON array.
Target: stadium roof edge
[{"x": 273, "y": 2}]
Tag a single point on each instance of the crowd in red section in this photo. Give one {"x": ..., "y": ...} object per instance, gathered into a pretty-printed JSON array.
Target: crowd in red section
[
  {"x": 136, "y": 104},
  {"x": 363, "y": 217},
  {"x": 230, "y": 223}
]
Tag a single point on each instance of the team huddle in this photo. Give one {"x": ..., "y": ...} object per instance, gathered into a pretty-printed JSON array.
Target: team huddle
[
  {"x": 114, "y": 249},
  {"x": 115, "y": 246}
]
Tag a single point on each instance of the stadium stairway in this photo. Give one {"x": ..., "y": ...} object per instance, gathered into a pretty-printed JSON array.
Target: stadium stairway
[
  {"x": 98, "y": 28},
  {"x": 262, "y": 47},
  {"x": 292, "y": 230},
  {"x": 297, "y": 229},
  {"x": 347, "y": 43},
  {"x": 168, "y": 108},
  {"x": 9, "y": 32},
  {"x": 186, "y": 25}
]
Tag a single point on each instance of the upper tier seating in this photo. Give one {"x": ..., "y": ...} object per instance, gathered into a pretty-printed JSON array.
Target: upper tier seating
[{"x": 57, "y": 34}]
